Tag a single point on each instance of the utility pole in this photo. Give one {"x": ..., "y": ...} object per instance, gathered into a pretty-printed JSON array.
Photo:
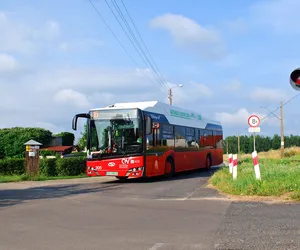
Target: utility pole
[
  {"x": 227, "y": 146},
  {"x": 281, "y": 128},
  {"x": 239, "y": 147},
  {"x": 170, "y": 95},
  {"x": 281, "y": 131}
]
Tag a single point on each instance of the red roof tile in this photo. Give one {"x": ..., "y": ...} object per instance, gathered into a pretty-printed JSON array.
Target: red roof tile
[{"x": 58, "y": 148}]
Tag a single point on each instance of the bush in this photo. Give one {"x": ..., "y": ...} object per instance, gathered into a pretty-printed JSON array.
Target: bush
[
  {"x": 45, "y": 153},
  {"x": 48, "y": 167},
  {"x": 12, "y": 140},
  {"x": 70, "y": 166},
  {"x": 67, "y": 138},
  {"x": 12, "y": 166}
]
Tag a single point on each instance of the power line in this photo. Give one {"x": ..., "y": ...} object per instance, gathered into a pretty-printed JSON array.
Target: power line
[
  {"x": 159, "y": 78},
  {"x": 112, "y": 32},
  {"x": 139, "y": 35},
  {"x": 142, "y": 53},
  {"x": 283, "y": 104},
  {"x": 271, "y": 112}
]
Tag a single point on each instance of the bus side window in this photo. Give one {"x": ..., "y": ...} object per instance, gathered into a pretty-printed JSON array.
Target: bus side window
[
  {"x": 218, "y": 139},
  {"x": 167, "y": 136},
  {"x": 180, "y": 141},
  {"x": 150, "y": 141},
  {"x": 190, "y": 138},
  {"x": 153, "y": 139}
]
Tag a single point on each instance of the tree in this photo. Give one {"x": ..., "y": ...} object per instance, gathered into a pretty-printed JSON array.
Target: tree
[
  {"x": 12, "y": 140},
  {"x": 82, "y": 141},
  {"x": 67, "y": 138}
]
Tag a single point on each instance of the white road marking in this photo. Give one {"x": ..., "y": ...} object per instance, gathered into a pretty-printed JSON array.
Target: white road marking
[
  {"x": 157, "y": 246},
  {"x": 192, "y": 193},
  {"x": 177, "y": 246}
]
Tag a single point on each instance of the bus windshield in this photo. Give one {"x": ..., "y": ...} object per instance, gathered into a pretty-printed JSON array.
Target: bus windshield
[{"x": 115, "y": 133}]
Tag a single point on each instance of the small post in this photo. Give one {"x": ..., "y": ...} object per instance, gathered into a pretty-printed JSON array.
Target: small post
[
  {"x": 230, "y": 163},
  {"x": 234, "y": 167},
  {"x": 32, "y": 157},
  {"x": 256, "y": 165},
  {"x": 239, "y": 147},
  {"x": 281, "y": 131}
]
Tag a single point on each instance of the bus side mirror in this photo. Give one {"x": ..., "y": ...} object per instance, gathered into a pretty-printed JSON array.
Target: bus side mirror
[
  {"x": 148, "y": 122},
  {"x": 75, "y": 118}
]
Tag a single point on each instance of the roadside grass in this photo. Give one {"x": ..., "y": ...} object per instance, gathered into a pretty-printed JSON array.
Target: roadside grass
[
  {"x": 293, "y": 152},
  {"x": 18, "y": 178},
  {"x": 296, "y": 196},
  {"x": 278, "y": 176}
]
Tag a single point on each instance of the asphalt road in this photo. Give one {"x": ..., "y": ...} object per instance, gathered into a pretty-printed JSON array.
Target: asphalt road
[{"x": 157, "y": 214}]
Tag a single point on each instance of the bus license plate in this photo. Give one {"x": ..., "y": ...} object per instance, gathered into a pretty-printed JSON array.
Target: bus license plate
[{"x": 111, "y": 173}]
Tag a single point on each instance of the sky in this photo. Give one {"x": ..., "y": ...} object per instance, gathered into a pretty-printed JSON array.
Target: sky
[{"x": 234, "y": 59}]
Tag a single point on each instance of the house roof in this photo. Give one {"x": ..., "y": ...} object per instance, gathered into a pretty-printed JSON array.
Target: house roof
[
  {"x": 33, "y": 143},
  {"x": 57, "y": 148}
]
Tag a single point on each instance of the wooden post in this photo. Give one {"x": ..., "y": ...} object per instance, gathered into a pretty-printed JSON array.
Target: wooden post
[
  {"x": 32, "y": 157},
  {"x": 227, "y": 146},
  {"x": 239, "y": 147}
]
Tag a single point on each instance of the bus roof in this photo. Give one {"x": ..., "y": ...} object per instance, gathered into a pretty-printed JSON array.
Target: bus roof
[{"x": 162, "y": 112}]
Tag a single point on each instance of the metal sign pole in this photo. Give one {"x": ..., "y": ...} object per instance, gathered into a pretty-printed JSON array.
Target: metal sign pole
[
  {"x": 254, "y": 141},
  {"x": 254, "y": 122}
]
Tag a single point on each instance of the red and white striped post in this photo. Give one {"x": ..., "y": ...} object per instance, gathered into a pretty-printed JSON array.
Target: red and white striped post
[
  {"x": 234, "y": 166},
  {"x": 230, "y": 163},
  {"x": 256, "y": 165}
]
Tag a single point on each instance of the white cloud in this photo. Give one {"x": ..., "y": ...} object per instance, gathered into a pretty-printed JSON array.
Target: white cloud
[
  {"x": 260, "y": 94},
  {"x": 54, "y": 96},
  {"x": 189, "y": 34},
  {"x": 233, "y": 85},
  {"x": 231, "y": 61},
  {"x": 191, "y": 92},
  {"x": 75, "y": 45},
  {"x": 233, "y": 119},
  {"x": 53, "y": 28},
  {"x": 240, "y": 118},
  {"x": 236, "y": 26},
  {"x": 282, "y": 16},
  {"x": 7, "y": 63},
  {"x": 71, "y": 97},
  {"x": 17, "y": 36}
]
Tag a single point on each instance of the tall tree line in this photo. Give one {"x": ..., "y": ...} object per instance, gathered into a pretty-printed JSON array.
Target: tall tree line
[{"x": 262, "y": 143}]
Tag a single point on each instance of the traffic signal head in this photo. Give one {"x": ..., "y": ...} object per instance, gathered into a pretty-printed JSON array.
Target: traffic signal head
[{"x": 295, "y": 79}]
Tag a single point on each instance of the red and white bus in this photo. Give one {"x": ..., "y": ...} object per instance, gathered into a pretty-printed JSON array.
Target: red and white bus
[{"x": 145, "y": 139}]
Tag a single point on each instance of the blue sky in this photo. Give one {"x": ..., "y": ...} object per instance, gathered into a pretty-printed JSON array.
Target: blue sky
[{"x": 57, "y": 58}]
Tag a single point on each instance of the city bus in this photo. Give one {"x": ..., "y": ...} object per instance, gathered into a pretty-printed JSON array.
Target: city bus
[{"x": 145, "y": 139}]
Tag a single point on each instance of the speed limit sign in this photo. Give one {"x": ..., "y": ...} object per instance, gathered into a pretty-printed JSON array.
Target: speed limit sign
[{"x": 253, "y": 121}]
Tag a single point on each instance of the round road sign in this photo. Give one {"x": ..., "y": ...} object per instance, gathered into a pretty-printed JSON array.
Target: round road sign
[{"x": 253, "y": 121}]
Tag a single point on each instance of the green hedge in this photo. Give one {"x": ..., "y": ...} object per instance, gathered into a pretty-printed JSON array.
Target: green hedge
[
  {"x": 70, "y": 166},
  {"x": 48, "y": 167},
  {"x": 12, "y": 167}
]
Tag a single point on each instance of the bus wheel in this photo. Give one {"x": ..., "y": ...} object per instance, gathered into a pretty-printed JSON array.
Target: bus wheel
[
  {"x": 169, "y": 167},
  {"x": 208, "y": 162},
  {"x": 122, "y": 178}
]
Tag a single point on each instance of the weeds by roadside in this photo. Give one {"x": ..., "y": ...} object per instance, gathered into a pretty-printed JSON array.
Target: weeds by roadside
[
  {"x": 18, "y": 178},
  {"x": 279, "y": 176}
]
